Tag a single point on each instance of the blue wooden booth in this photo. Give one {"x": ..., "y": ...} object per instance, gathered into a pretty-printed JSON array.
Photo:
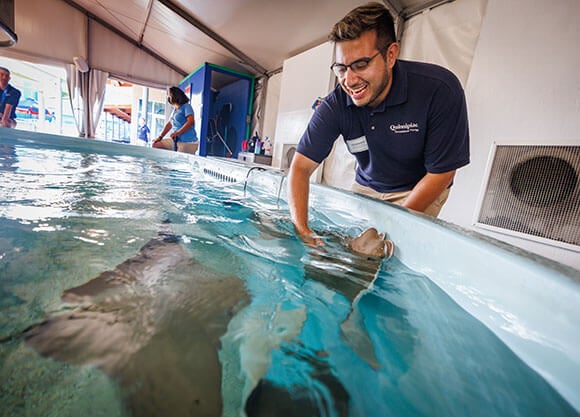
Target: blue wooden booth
[{"x": 222, "y": 101}]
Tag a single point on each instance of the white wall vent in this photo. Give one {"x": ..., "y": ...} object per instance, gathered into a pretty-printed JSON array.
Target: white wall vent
[{"x": 533, "y": 191}]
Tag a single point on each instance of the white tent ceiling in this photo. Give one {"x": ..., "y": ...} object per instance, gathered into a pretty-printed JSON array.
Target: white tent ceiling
[{"x": 252, "y": 36}]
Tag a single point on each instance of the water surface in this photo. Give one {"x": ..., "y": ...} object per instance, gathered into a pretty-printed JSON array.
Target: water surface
[{"x": 309, "y": 332}]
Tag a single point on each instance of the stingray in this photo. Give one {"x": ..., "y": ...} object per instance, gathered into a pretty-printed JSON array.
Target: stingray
[
  {"x": 351, "y": 273},
  {"x": 153, "y": 324},
  {"x": 347, "y": 266}
]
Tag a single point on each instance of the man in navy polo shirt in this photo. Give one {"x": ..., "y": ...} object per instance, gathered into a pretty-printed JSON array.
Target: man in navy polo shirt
[
  {"x": 405, "y": 122},
  {"x": 9, "y": 98}
]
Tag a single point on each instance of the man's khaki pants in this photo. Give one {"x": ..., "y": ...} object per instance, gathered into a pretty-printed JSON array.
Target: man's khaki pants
[{"x": 400, "y": 197}]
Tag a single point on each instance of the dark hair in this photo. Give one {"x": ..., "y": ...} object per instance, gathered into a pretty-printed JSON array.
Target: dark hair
[
  {"x": 371, "y": 16},
  {"x": 177, "y": 96}
]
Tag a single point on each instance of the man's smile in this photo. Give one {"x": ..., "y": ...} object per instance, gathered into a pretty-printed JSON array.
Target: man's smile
[{"x": 358, "y": 92}]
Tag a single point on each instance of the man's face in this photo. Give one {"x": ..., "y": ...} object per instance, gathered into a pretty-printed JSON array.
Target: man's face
[
  {"x": 370, "y": 86},
  {"x": 4, "y": 79}
]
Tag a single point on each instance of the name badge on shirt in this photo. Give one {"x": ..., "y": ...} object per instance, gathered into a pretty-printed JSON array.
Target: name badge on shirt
[{"x": 357, "y": 145}]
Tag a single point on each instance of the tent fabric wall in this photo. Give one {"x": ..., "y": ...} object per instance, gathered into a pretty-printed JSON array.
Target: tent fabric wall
[
  {"x": 96, "y": 99},
  {"x": 108, "y": 52},
  {"x": 77, "y": 89},
  {"x": 446, "y": 35},
  {"x": 34, "y": 19},
  {"x": 258, "y": 105},
  {"x": 74, "y": 34},
  {"x": 87, "y": 94}
]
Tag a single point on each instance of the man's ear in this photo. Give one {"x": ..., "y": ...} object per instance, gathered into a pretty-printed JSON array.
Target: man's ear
[{"x": 392, "y": 54}]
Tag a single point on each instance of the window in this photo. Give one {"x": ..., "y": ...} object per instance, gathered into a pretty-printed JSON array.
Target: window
[
  {"x": 45, "y": 92},
  {"x": 44, "y": 105},
  {"x": 124, "y": 107}
]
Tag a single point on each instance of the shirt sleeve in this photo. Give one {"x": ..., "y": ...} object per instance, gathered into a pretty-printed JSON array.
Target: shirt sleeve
[
  {"x": 187, "y": 110},
  {"x": 447, "y": 143},
  {"x": 14, "y": 97},
  {"x": 322, "y": 131}
]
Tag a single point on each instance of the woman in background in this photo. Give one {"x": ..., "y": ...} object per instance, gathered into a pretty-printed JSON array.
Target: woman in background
[{"x": 182, "y": 136}]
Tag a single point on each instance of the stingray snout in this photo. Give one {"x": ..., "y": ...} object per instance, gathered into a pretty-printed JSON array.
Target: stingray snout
[{"x": 372, "y": 243}]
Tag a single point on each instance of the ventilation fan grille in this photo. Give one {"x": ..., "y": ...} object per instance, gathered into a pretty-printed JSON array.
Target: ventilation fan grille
[{"x": 534, "y": 190}]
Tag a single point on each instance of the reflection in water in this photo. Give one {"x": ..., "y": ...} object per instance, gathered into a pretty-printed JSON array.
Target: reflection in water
[{"x": 8, "y": 159}]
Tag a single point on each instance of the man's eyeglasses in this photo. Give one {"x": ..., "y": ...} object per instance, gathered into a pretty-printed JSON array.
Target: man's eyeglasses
[{"x": 356, "y": 66}]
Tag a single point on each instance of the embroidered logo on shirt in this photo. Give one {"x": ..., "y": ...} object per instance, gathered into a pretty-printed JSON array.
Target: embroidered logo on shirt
[
  {"x": 405, "y": 127},
  {"x": 357, "y": 145}
]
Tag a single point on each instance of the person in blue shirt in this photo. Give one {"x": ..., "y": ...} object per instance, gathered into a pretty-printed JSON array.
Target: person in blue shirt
[
  {"x": 143, "y": 131},
  {"x": 182, "y": 136},
  {"x": 9, "y": 98},
  {"x": 405, "y": 122}
]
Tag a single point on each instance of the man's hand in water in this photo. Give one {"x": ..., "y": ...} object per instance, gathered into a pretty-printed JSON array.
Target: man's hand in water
[{"x": 309, "y": 237}]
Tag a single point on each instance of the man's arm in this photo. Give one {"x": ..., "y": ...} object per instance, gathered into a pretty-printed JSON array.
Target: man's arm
[
  {"x": 428, "y": 189},
  {"x": 6, "y": 115},
  {"x": 298, "y": 193}
]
